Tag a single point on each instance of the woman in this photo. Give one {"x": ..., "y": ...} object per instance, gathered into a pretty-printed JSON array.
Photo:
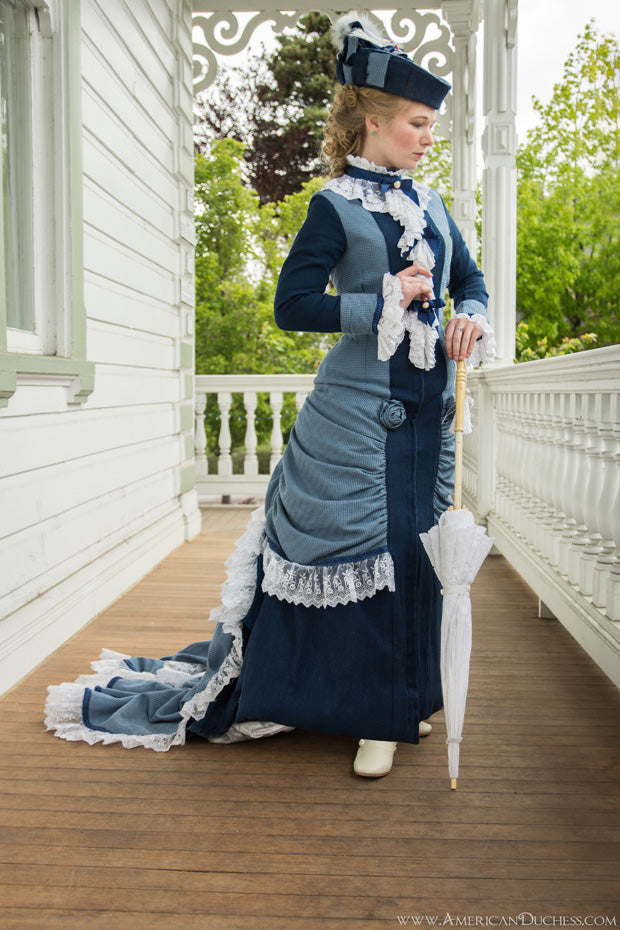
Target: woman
[{"x": 331, "y": 612}]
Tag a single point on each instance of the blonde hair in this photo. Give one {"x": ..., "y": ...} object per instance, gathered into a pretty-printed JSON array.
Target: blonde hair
[{"x": 345, "y": 130}]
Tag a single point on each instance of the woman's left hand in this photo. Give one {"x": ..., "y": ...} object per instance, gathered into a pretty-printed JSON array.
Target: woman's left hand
[{"x": 461, "y": 337}]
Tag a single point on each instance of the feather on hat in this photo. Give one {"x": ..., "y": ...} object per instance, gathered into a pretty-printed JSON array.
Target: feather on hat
[{"x": 367, "y": 58}]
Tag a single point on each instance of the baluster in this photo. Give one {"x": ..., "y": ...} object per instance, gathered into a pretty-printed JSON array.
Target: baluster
[
  {"x": 562, "y": 475},
  {"x": 501, "y": 484},
  {"x": 592, "y": 492},
  {"x": 521, "y": 465},
  {"x": 612, "y": 594},
  {"x": 200, "y": 435},
  {"x": 300, "y": 397},
  {"x": 543, "y": 470},
  {"x": 250, "y": 461},
  {"x": 531, "y": 504},
  {"x": 580, "y": 504},
  {"x": 224, "y": 460},
  {"x": 568, "y": 492},
  {"x": 276, "y": 399},
  {"x": 556, "y": 464},
  {"x": 610, "y": 494}
]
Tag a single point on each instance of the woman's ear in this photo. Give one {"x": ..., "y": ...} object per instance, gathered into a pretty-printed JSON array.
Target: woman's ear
[{"x": 372, "y": 125}]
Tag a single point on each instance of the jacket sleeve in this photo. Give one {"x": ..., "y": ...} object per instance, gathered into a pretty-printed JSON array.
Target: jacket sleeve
[
  {"x": 466, "y": 282},
  {"x": 301, "y": 303}
]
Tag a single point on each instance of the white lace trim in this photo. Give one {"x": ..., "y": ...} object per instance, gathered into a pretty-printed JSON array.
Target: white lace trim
[
  {"x": 240, "y": 586},
  {"x": 412, "y": 245},
  {"x": 64, "y": 704},
  {"x": 402, "y": 208},
  {"x": 391, "y": 326},
  {"x": 485, "y": 348},
  {"x": 422, "y": 339},
  {"x": 250, "y": 729},
  {"x": 327, "y": 585},
  {"x": 358, "y": 162}
]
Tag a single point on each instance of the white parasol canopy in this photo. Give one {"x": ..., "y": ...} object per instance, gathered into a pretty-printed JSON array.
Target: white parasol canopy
[{"x": 457, "y": 547}]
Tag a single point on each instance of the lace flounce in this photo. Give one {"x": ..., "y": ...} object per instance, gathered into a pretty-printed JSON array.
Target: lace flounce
[
  {"x": 485, "y": 347},
  {"x": 422, "y": 339},
  {"x": 64, "y": 704},
  {"x": 327, "y": 585}
]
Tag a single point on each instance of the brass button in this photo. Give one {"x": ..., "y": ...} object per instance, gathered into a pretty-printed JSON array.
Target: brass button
[
  {"x": 425, "y": 305},
  {"x": 397, "y": 185}
]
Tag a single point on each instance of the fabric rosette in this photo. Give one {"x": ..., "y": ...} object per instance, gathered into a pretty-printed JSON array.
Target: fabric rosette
[{"x": 392, "y": 414}]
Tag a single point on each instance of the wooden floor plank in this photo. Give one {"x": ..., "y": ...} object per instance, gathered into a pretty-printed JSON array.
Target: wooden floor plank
[{"x": 278, "y": 833}]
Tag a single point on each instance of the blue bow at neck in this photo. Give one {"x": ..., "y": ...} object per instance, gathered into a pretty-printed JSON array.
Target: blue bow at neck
[{"x": 385, "y": 181}]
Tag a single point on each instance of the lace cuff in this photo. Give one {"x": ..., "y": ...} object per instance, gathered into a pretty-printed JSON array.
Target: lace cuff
[
  {"x": 391, "y": 327},
  {"x": 327, "y": 585},
  {"x": 484, "y": 349}
]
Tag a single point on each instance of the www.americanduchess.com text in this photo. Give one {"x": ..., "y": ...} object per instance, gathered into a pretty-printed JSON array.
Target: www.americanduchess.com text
[{"x": 523, "y": 919}]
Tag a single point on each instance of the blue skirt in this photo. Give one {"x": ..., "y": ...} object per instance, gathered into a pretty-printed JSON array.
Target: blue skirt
[{"x": 367, "y": 669}]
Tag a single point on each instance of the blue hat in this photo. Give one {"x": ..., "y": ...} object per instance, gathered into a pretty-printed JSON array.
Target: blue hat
[{"x": 366, "y": 59}]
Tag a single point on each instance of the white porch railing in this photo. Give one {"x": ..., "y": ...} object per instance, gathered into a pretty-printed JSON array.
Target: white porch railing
[
  {"x": 542, "y": 469},
  {"x": 219, "y": 390}
]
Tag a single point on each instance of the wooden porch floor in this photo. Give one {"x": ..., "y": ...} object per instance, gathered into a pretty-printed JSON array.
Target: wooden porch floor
[{"x": 280, "y": 833}]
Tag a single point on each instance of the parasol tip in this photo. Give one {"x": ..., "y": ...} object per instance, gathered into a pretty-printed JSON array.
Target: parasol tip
[{"x": 453, "y": 784}]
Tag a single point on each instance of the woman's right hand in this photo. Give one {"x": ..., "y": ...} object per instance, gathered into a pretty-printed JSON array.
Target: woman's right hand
[{"x": 417, "y": 284}]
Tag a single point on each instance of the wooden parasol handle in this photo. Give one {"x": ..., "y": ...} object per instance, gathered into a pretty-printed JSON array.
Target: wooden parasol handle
[{"x": 461, "y": 385}]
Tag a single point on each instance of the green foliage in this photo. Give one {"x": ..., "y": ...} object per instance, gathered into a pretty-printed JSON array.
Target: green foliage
[
  {"x": 529, "y": 347},
  {"x": 436, "y": 168},
  {"x": 277, "y": 105},
  {"x": 568, "y": 233},
  {"x": 240, "y": 247}
]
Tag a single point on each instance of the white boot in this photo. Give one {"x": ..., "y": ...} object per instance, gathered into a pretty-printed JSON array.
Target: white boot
[
  {"x": 425, "y": 728},
  {"x": 374, "y": 758}
]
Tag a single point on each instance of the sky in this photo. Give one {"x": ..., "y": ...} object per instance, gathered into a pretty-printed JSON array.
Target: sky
[{"x": 547, "y": 33}]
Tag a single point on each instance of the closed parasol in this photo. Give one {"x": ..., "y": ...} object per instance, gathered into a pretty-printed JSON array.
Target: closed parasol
[{"x": 457, "y": 547}]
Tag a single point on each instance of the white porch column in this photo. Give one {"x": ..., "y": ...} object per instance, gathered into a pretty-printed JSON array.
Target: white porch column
[
  {"x": 499, "y": 186},
  {"x": 463, "y": 16}
]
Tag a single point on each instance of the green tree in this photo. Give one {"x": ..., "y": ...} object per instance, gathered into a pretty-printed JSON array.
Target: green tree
[
  {"x": 240, "y": 247},
  {"x": 568, "y": 233},
  {"x": 277, "y": 105}
]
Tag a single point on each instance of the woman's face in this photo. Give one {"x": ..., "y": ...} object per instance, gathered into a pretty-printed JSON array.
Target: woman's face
[{"x": 402, "y": 141}]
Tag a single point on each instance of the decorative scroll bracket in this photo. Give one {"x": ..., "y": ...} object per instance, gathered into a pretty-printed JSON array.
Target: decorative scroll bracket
[{"x": 424, "y": 34}]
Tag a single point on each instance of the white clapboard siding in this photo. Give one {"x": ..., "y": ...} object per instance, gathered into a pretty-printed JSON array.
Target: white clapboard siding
[
  {"x": 111, "y": 218},
  {"x": 130, "y": 347},
  {"x": 109, "y": 21},
  {"x": 50, "y": 441},
  {"x": 153, "y": 137},
  {"x": 34, "y": 497},
  {"x": 92, "y": 491},
  {"x": 57, "y": 547},
  {"x": 117, "y": 386},
  {"x": 30, "y": 634},
  {"x": 103, "y": 170},
  {"x": 108, "y": 302},
  {"x": 116, "y": 261},
  {"x": 132, "y": 155}
]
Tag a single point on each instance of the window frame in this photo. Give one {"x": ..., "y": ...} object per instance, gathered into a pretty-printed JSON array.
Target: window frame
[{"x": 58, "y": 349}]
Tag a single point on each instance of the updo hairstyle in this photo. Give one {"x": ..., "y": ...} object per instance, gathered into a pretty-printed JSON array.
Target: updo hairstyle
[{"x": 345, "y": 130}]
